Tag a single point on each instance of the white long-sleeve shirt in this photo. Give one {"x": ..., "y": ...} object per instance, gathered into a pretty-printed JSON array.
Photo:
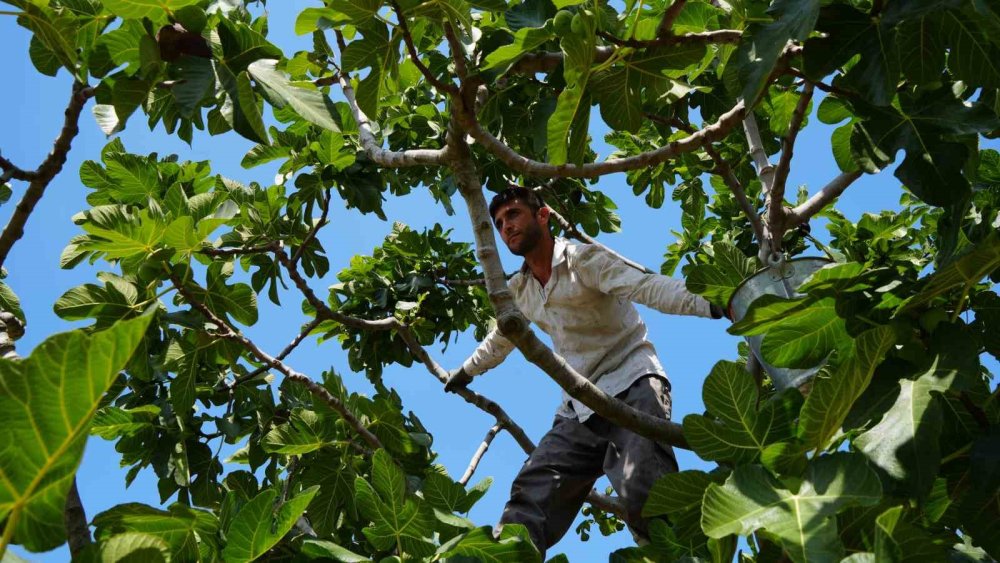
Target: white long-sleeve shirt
[{"x": 586, "y": 308}]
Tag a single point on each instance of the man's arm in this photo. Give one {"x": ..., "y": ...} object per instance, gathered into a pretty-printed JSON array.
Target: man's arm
[
  {"x": 604, "y": 271},
  {"x": 490, "y": 352}
]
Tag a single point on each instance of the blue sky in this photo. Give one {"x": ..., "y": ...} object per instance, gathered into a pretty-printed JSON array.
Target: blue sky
[{"x": 688, "y": 347}]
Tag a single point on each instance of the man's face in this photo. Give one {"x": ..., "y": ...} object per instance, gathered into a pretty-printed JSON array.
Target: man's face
[{"x": 519, "y": 228}]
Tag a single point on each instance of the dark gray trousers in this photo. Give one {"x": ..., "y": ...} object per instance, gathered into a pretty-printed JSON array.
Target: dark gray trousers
[{"x": 552, "y": 485}]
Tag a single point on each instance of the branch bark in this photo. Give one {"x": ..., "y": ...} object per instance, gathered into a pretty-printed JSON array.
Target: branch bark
[
  {"x": 527, "y": 166},
  {"x": 765, "y": 171},
  {"x": 669, "y": 16},
  {"x": 374, "y": 150},
  {"x": 802, "y": 213},
  {"x": 415, "y": 57},
  {"x": 480, "y": 452},
  {"x": 75, "y": 516},
  {"x": 776, "y": 204},
  {"x": 39, "y": 179}
]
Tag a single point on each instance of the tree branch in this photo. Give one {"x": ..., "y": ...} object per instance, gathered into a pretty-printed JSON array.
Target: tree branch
[
  {"x": 40, "y": 178},
  {"x": 415, "y": 57},
  {"x": 374, "y": 150},
  {"x": 547, "y": 61},
  {"x": 527, "y": 166},
  {"x": 228, "y": 332},
  {"x": 314, "y": 230},
  {"x": 75, "y": 517},
  {"x": 240, "y": 250},
  {"x": 457, "y": 53},
  {"x": 765, "y": 171},
  {"x": 802, "y": 213},
  {"x": 669, "y": 16},
  {"x": 604, "y": 502},
  {"x": 723, "y": 169},
  {"x": 776, "y": 206},
  {"x": 480, "y": 452},
  {"x": 299, "y": 338}
]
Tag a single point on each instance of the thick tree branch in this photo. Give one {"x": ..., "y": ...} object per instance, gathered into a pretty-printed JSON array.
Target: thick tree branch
[
  {"x": 75, "y": 517},
  {"x": 374, "y": 150},
  {"x": 765, "y": 171},
  {"x": 480, "y": 452},
  {"x": 228, "y": 332},
  {"x": 527, "y": 166},
  {"x": 776, "y": 206},
  {"x": 821, "y": 199},
  {"x": 457, "y": 52},
  {"x": 40, "y": 178}
]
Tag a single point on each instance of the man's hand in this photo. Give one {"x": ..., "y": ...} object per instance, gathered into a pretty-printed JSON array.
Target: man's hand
[{"x": 457, "y": 379}]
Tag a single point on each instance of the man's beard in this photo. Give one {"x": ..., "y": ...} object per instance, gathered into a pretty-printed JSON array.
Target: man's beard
[{"x": 526, "y": 241}]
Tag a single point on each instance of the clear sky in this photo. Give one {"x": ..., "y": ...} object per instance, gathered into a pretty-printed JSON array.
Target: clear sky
[{"x": 31, "y": 117}]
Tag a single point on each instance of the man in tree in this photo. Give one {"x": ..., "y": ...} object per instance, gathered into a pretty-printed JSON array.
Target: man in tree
[{"x": 581, "y": 296}]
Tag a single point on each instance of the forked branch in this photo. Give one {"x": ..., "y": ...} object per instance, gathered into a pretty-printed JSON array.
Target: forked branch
[{"x": 802, "y": 213}]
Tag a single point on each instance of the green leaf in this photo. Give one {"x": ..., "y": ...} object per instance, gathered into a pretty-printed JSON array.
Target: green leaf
[
  {"x": 963, "y": 272},
  {"x": 923, "y": 51},
  {"x": 112, "y": 302},
  {"x": 972, "y": 57},
  {"x": 905, "y": 442},
  {"x": 262, "y": 154},
  {"x": 181, "y": 529},
  {"x": 9, "y": 301},
  {"x": 752, "y": 499},
  {"x": 397, "y": 521},
  {"x": 799, "y": 333},
  {"x": 762, "y": 44},
  {"x": 45, "y": 61},
  {"x": 242, "y": 45},
  {"x": 718, "y": 280},
  {"x": 257, "y": 527},
  {"x": 676, "y": 493},
  {"x": 832, "y": 395},
  {"x": 925, "y": 126},
  {"x": 312, "y": 19},
  {"x": 525, "y": 39},
  {"x": 304, "y": 432},
  {"x": 152, "y": 9},
  {"x": 330, "y": 550},
  {"x": 238, "y": 300},
  {"x": 115, "y": 422},
  {"x": 899, "y": 540},
  {"x": 849, "y": 33},
  {"x": 54, "y": 32},
  {"x": 578, "y": 51},
  {"x": 131, "y": 178},
  {"x": 240, "y": 108},
  {"x": 118, "y": 235},
  {"x": 510, "y": 547},
  {"x": 197, "y": 77},
  {"x": 46, "y": 407},
  {"x": 736, "y": 431},
  {"x": 380, "y": 52},
  {"x": 311, "y": 104},
  {"x": 135, "y": 547}
]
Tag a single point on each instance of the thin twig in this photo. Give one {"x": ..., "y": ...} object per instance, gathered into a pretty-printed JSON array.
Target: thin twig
[
  {"x": 584, "y": 237},
  {"x": 723, "y": 169},
  {"x": 239, "y": 251},
  {"x": 765, "y": 171},
  {"x": 315, "y": 229},
  {"x": 228, "y": 332},
  {"x": 480, "y": 452},
  {"x": 415, "y": 56},
  {"x": 299, "y": 338},
  {"x": 40, "y": 178}
]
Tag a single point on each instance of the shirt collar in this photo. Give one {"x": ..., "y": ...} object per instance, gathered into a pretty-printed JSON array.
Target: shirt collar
[{"x": 558, "y": 254}]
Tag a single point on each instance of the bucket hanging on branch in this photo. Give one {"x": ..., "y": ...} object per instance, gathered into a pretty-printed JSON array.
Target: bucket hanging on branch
[{"x": 782, "y": 278}]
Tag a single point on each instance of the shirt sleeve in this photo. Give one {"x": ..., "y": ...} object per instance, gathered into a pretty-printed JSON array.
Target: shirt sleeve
[
  {"x": 490, "y": 352},
  {"x": 600, "y": 269}
]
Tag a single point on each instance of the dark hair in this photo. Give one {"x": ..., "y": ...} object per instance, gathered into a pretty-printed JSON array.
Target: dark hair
[{"x": 526, "y": 196}]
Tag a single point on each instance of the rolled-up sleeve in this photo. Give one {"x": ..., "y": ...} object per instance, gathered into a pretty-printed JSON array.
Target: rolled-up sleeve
[
  {"x": 490, "y": 352},
  {"x": 602, "y": 270}
]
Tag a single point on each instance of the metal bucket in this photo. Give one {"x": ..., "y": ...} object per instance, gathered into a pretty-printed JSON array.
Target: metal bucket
[{"x": 781, "y": 279}]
